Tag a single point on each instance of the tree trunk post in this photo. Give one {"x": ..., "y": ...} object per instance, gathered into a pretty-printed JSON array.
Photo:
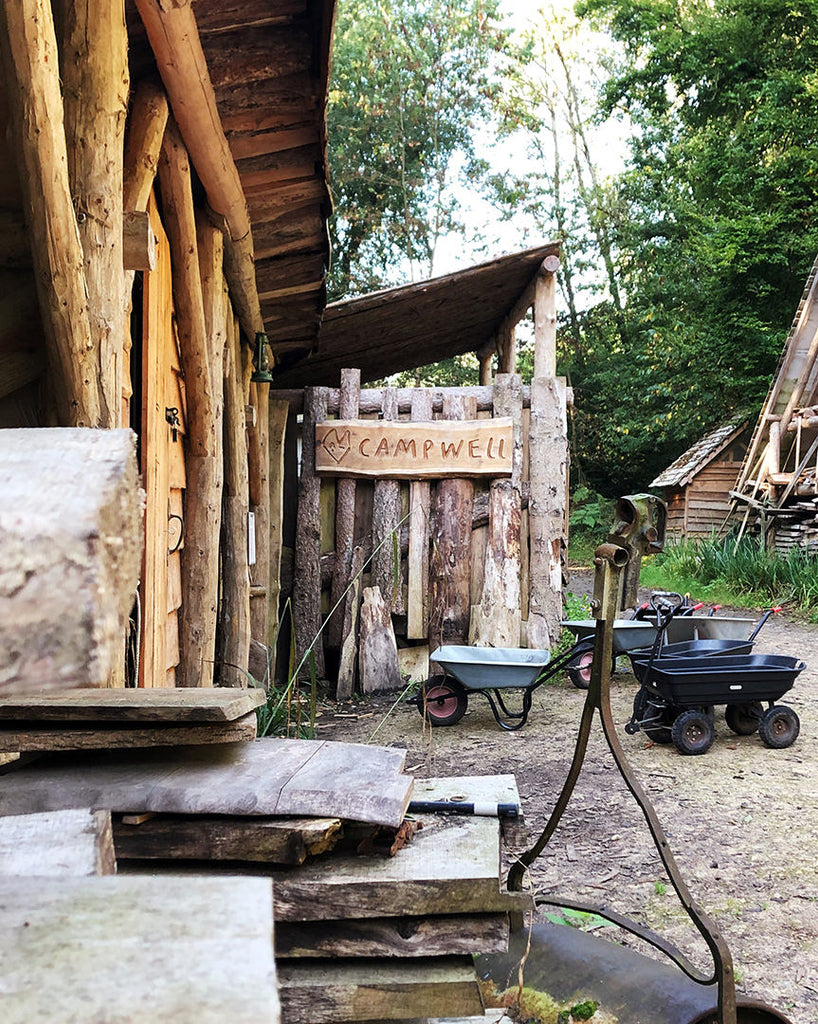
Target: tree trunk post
[
  {"x": 307, "y": 574},
  {"x": 203, "y": 463},
  {"x": 417, "y": 611},
  {"x": 95, "y": 81},
  {"x": 450, "y": 563},
  {"x": 344, "y": 515},
  {"x": 29, "y": 50},
  {"x": 385, "y": 518}
]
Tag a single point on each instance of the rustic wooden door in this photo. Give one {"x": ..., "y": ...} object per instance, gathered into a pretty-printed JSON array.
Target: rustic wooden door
[{"x": 163, "y": 471}]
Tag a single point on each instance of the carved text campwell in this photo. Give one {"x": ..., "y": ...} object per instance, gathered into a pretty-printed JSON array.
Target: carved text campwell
[{"x": 443, "y": 448}]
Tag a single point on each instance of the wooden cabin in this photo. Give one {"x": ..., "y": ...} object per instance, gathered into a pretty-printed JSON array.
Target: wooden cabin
[
  {"x": 777, "y": 488},
  {"x": 163, "y": 201},
  {"x": 697, "y": 485}
]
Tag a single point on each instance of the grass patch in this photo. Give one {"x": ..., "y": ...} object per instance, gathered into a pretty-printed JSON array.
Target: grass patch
[{"x": 743, "y": 574}]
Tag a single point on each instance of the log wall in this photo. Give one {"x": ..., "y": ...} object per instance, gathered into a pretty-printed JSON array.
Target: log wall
[{"x": 462, "y": 574}]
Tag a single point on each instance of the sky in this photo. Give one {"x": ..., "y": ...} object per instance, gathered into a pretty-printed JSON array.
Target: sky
[{"x": 505, "y": 236}]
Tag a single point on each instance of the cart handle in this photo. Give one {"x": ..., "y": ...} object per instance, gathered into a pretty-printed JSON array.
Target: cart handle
[{"x": 763, "y": 619}]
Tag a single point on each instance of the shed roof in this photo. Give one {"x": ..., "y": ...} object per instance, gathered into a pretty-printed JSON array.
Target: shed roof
[
  {"x": 417, "y": 324},
  {"x": 693, "y": 461},
  {"x": 268, "y": 61}
]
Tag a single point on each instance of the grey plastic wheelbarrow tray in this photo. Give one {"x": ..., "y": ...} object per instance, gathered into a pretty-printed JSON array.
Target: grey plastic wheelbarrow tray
[
  {"x": 627, "y": 633},
  {"x": 708, "y": 627},
  {"x": 487, "y": 668},
  {"x": 727, "y": 679}
]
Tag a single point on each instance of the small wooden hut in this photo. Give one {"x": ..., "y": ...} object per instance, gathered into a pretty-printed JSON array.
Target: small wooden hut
[{"x": 697, "y": 485}]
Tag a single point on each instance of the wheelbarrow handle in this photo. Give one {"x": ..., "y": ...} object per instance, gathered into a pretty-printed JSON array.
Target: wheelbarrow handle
[{"x": 763, "y": 619}]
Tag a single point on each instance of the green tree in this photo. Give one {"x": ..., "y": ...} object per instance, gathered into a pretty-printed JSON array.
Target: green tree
[
  {"x": 412, "y": 82},
  {"x": 717, "y": 227}
]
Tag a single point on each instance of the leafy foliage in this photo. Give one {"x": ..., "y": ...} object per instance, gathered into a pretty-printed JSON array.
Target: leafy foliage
[{"x": 412, "y": 80}]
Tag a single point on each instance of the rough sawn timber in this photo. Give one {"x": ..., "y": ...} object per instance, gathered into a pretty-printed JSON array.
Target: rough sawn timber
[
  {"x": 74, "y": 842},
  {"x": 344, "y": 517},
  {"x": 138, "y": 950},
  {"x": 146, "y": 706},
  {"x": 378, "y": 990},
  {"x": 266, "y": 777},
  {"x": 452, "y": 865},
  {"x": 70, "y": 541},
  {"x": 417, "y": 567},
  {"x": 385, "y": 569},
  {"x": 192, "y": 837},
  {"x": 441, "y": 935},
  {"x": 25, "y": 737},
  {"x": 378, "y": 650}
]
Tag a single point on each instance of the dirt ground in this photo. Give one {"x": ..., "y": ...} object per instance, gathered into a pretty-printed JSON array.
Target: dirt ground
[{"x": 742, "y": 820}]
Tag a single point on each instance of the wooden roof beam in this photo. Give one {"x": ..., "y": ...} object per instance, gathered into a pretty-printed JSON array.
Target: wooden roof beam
[{"x": 174, "y": 38}]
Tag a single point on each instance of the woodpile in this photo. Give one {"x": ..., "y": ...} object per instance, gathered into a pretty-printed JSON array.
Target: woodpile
[{"x": 377, "y": 911}]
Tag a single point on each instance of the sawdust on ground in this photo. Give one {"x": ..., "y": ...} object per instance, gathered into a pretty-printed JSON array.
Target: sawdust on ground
[{"x": 742, "y": 820}]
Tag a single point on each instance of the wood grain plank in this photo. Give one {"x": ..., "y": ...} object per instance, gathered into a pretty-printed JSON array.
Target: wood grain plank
[
  {"x": 24, "y": 737},
  {"x": 192, "y": 837},
  {"x": 329, "y": 993},
  {"x": 223, "y": 704},
  {"x": 444, "y": 935},
  {"x": 260, "y": 778},
  {"x": 75, "y": 843},
  {"x": 452, "y": 866},
  {"x": 136, "y": 950}
]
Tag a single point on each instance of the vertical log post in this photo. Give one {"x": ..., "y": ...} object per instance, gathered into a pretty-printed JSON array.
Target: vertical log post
[
  {"x": 276, "y": 434},
  {"x": 234, "y": 646},
  {"x": 548, "y": 448},
  {"x": 260, "y": 507},
  {"x": 385, "y": 518},
  {"x": 499, "y": 612},
  {"x": 344, "y": 515},
  {"x": 29, "y": 51},
  {"x": 349, "y": 647},
  {"x": 378, "y": 654},
  {"x": 417, "y": 610},
  {"x": 203, "y": 463},
  {"x": 307, "y": 574},
  {"x": 450, "y": 563},
  {"x": 95, "y": 80}
]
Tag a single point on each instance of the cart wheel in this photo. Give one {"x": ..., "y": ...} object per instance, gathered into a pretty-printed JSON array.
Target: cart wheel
[
  {"x": 579, "y": 670},
  {"x": 442, "y": 702},
  {"x": 743, "y": 719},
  {"x": 779, "y": 727},
  {"x": 693, "y": 733},
  {"x": 659, "y": 732}
]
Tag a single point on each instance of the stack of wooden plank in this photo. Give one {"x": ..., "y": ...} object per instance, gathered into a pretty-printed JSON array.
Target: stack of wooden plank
[
  {"x": 126, "y": 950},
  {"x": 100, "y": 719},
  {"x": 359, "y": 936}
]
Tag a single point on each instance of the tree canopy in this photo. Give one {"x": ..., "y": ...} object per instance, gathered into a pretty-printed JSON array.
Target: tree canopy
[{"x": 682, "y": 270}]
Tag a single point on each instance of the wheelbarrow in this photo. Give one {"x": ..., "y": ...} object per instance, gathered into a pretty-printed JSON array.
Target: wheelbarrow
[
  {"x": 628, "y": 634},
  {"x": 677, "y": 695},
  {"x": 443, "y": 699},
  {"x": 694, "y": 648}
]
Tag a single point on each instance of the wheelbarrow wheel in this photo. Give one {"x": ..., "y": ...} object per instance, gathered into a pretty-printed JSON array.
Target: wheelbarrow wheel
[
  {"x": 779, "y": 727},
  {"x": 744, "y": 719},
  {"x": 442, "y": 702},
  {"x": 693, "y": 732},
  {"x": 579, "y": 670}
]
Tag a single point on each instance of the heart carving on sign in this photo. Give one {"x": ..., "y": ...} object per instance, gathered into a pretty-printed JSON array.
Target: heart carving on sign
[{"x": 336, "y": 445}]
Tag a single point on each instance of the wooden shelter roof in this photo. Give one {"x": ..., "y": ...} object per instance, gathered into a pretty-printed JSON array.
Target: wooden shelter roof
[
  {"x": 693, "y": 461},
  {"x": 268, "y": 61},
  {"x": 417, "y": 324}
]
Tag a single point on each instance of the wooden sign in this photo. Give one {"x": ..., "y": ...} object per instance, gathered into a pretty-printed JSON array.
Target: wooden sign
[{"x": 411, "y": 451}]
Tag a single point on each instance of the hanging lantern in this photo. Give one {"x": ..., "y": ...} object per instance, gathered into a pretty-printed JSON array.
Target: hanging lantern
[{"x": 261, "y": 361}]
